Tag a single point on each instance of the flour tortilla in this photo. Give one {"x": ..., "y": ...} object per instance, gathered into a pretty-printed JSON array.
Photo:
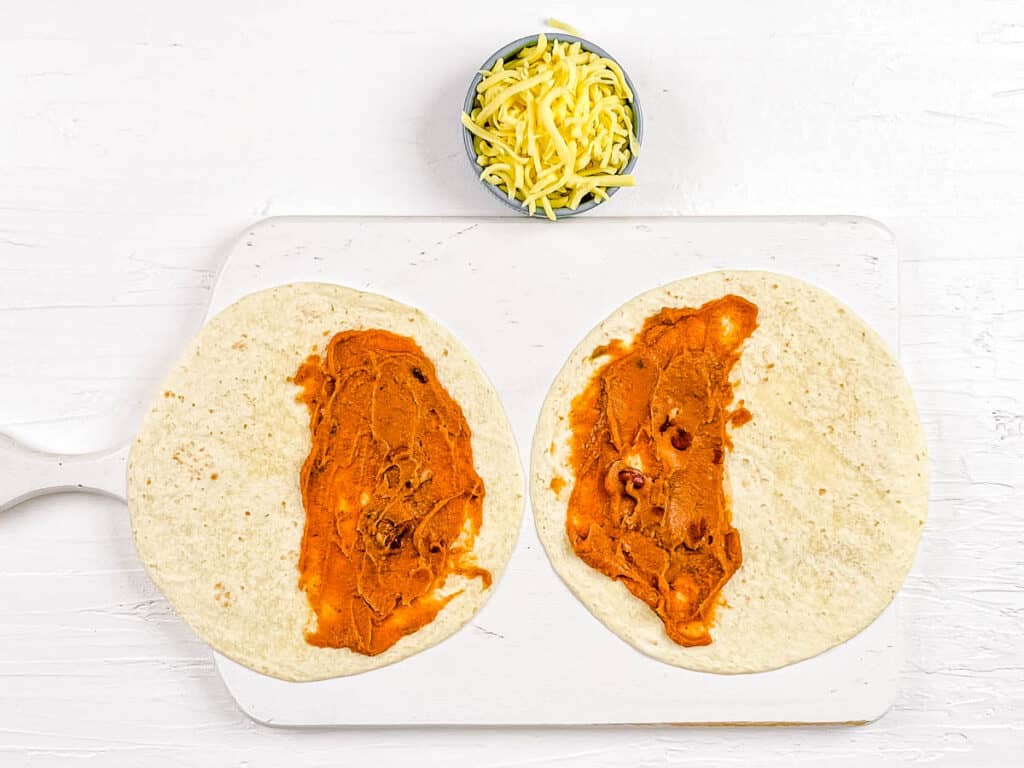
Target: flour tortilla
[
  {"x": 833, "y": 413},
  {"x": 225, "y": 551}
]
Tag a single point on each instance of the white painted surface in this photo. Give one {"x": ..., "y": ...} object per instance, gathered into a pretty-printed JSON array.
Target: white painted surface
[{"x": 135, "y": 141}]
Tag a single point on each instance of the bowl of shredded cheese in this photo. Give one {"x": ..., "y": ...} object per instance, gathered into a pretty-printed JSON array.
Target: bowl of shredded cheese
[{"x": 552, "y": 125}]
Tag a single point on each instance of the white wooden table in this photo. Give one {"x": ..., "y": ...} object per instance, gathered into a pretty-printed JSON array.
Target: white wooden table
[{"x": 135, "y": 142}]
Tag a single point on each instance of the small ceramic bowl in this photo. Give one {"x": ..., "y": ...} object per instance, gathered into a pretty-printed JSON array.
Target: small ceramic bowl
[{"x": 508, "y": 52}]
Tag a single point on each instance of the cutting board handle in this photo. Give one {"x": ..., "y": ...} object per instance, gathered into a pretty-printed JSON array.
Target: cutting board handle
[{"x": 26, "y": 473}]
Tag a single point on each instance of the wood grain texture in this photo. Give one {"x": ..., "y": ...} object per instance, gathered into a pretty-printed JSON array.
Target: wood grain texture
[{"x": 136, "y": 141}]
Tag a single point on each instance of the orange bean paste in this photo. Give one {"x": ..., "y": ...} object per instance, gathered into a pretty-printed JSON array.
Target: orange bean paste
[
  {"x": 648, "y": 506},
  {"x": 392, "y": 500}
]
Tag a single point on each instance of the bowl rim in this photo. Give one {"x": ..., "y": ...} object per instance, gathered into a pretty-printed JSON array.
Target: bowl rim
[{"x": 506, "y": 52}]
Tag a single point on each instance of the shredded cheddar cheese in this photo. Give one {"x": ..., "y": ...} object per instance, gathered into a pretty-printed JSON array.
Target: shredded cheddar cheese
[{"x": 553, "y": 126}]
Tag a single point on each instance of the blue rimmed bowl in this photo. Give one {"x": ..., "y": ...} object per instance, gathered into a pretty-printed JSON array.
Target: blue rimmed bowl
[{"x": 509, "y": 52}]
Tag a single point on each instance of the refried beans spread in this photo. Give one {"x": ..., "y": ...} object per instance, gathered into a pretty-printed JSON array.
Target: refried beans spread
[
  {"x": 392, "y": 499},
  {"x": 648, "y": 506}
]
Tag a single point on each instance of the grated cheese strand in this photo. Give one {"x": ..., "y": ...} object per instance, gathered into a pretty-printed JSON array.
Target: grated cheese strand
[{"x": 565, "y": 27}]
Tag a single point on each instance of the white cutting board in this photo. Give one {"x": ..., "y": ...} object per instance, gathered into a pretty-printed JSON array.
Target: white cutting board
[{"x": 520, "y": 294}]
